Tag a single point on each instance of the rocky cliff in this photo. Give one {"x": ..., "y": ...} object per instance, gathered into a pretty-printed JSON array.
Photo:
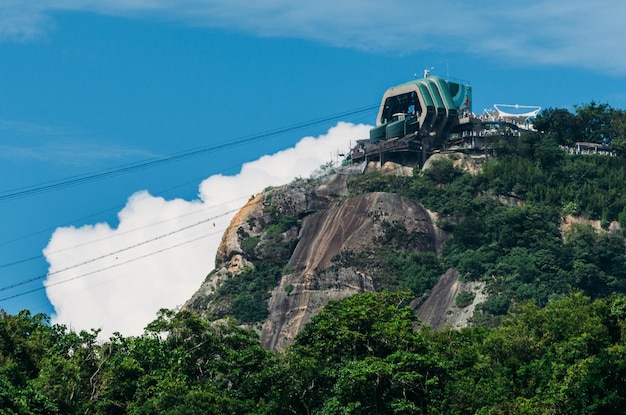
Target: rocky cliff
[{"x": 303, "y": 238}]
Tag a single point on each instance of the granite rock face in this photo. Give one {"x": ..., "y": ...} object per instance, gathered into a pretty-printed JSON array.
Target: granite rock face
[
  {"x": 349, "y": 225},
  {"x": 327, "y": 224},
  {"x": 298, "y": 200}
]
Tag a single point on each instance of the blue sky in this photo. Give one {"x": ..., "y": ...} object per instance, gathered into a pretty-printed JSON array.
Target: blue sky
[{"x": 88, "y": 86}]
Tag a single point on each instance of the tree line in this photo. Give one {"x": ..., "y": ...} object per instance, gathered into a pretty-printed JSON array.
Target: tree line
[{"x": 366, "y": 354}]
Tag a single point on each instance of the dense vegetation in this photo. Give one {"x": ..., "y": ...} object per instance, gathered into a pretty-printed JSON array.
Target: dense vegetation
[
  {"x": 518, "y": 248},
  {"x": 551, "y": 339},
  {"x": 361, "y": 355}
]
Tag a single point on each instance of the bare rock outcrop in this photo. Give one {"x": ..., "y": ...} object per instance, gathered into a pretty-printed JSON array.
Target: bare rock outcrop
[
  {"x": 440, "y": 309},
  {"x": 298, "y": 199},
  {"x": 295, "y": 199},
  {"x": 350, "y": 225},
  {"x": 325, "y": 226}
]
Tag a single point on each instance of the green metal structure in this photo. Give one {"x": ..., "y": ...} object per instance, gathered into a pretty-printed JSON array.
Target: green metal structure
[
  {"x": 425, "y": 107},
  {"x": 424, "y": 116}
]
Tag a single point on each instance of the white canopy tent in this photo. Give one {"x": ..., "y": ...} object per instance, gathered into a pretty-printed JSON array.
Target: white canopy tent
[{"x": 513, "y": 113}]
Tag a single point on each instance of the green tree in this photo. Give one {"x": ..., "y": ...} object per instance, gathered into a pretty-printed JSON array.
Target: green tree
[
  {"x": 368, "y": 358},
  {"x": 559, "y": 123},
  {"x": 594, "y": 122},
  {"x": 618, "y": 126}
]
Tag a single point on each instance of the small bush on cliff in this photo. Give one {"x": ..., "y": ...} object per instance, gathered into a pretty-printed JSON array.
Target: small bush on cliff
[
  {"x": 464, "y": 298},
  {"x": 249, "y": 244}
]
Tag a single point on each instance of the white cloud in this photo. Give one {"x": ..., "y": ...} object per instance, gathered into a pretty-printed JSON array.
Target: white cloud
[
  {"x": 175, "y": 240},
  {"x": 20, "y": 20},
  {"x": 576, "y": 32}
]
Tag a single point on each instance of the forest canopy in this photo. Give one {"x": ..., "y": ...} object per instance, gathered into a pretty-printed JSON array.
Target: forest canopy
[{"x": 360, "y": 355}]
